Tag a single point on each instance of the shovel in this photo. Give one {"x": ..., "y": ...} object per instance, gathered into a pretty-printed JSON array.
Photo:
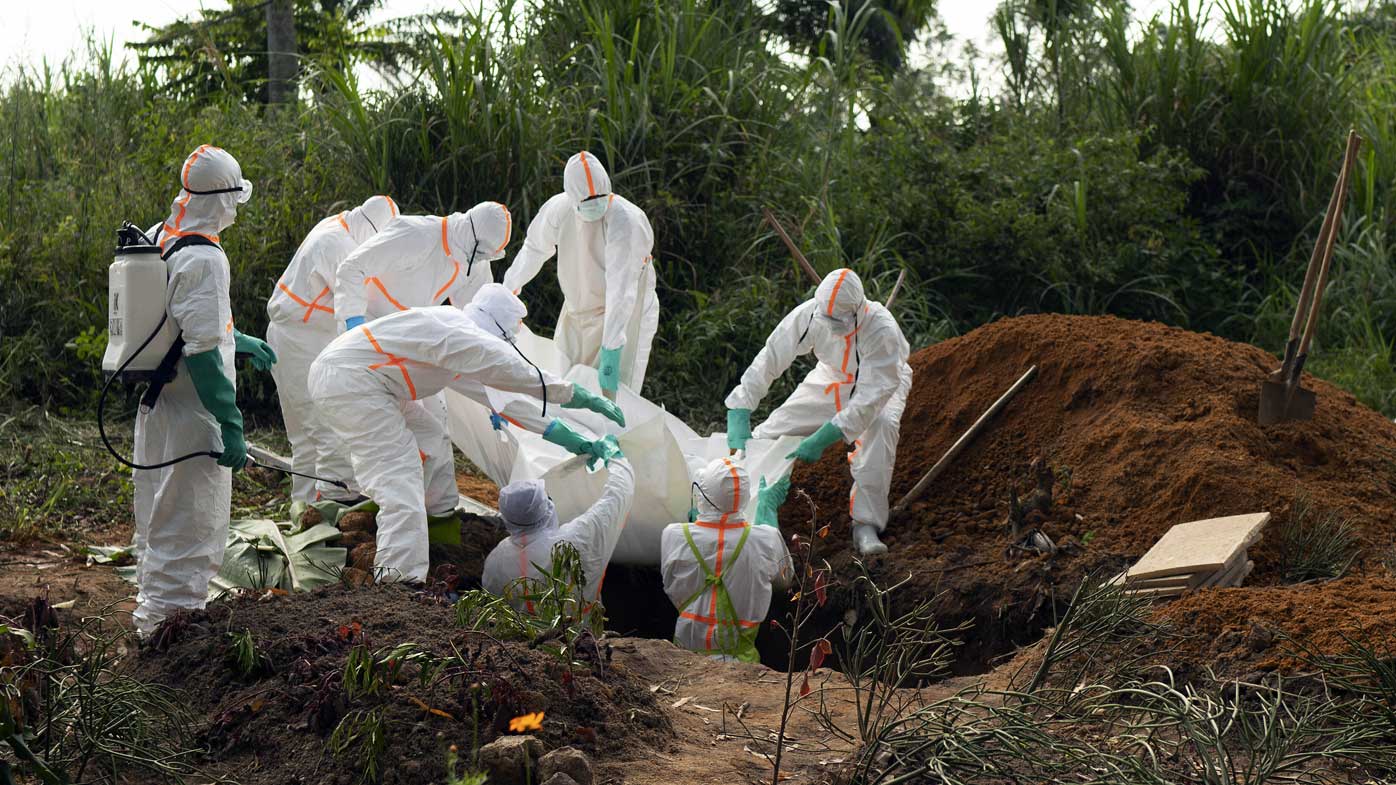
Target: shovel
[{"x": 1281, "y": 397}]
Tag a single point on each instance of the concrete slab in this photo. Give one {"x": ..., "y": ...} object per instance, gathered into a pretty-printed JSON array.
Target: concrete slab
[{"x": 1199, "y": 547}]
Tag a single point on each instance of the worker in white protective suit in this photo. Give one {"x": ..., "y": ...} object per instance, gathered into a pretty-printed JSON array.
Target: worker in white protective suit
[
  {"x": 368, "y": 383},
  {"x": 182, "y": 510},
  {"x": 718, "y": 569},
  {"x": 604, "y": 247},
  {"x": 855, "y": 394},
  {"x": 420, "y": 261},
  {"x": 531, "y": 521},
  {"x": 301, "y": 324}
]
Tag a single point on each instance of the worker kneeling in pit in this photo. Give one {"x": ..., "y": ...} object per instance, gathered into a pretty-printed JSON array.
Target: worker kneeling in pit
[
  {"x": 530, "y": 518},
  {"x": 368, "y": 384},
  {"x": 718, "y": 569},
  {"x": 855, "y": 394}
]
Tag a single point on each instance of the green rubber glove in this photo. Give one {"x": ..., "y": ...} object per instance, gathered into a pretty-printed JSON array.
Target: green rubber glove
[
  {"x": 263, "y": 358},
  {"x": 563, "y": 435},
  {"x": 603, "y": 449},
  {"x": 738, "y": 428},
  {"x": 608, "y": 368},
  {"x": 582, "y": 398},
  {"x": 769, "y": 500},
  {"x": 218, "y": 396},
  {"x": 816, "y": 443}
]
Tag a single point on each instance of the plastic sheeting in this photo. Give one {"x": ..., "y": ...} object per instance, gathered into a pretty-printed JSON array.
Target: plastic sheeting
[{"x": 664, "y": 451}]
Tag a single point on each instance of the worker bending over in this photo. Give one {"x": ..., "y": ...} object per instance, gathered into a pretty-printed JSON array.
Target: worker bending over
[
  {"x": 368, "y": 383},
  {"x": 182, "y": 510},
  {"x": 530, "y": 518},
  {"x": 301, "y": 323},
  {"x": 856, "y": 393},
  {"x": 718, "y": 569},
  {"x": 603, "y": 244}
]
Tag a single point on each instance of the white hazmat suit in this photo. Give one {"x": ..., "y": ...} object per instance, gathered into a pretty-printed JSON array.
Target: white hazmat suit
[
  {"x": 182, "y": 510},
  {"x": 368, "y": 383},
  {"x": 604, "y": 247},
  {"x": 422, "y": 260},
  {"x": 718, "y": 570},
  {"x": 859, "y": 385},
  {"x": 301, "y": 323},
  {"x": 531, "y": 520}
]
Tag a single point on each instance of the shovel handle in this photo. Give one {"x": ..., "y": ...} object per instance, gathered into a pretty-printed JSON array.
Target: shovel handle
[
  {"x": 1306, "y": 294},
  {"x": 1311, "y": 323},
  {"x": 790, "y": 244}
]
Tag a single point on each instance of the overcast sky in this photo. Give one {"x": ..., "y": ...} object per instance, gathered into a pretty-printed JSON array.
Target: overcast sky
[{"x": 32, "y": 31}]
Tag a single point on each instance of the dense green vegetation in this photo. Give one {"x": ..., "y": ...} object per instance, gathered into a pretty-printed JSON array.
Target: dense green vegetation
[{"x": 1172, "y": 169}]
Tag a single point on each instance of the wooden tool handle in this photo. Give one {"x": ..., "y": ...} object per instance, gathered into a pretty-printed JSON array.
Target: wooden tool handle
[
  {"x": 964, "y": 440},
  {"x": 790, "y": 244},
  {"x": 1301, "y": 308},
  {"x": 1311, "y": 324}
]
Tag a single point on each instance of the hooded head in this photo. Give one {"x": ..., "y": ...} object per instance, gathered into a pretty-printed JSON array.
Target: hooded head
[
  {"x": 480, "y": 233},
  {"x": 497, "y": 311},
  {"x": 586, "y": 182},
  {"x": 211, "y": 188},
  {"x": 840, "y": 297},
  {"x": 371, "y": 217},
  {"x": 723, "y": 489},
  {"x": 526, "y": 508}
]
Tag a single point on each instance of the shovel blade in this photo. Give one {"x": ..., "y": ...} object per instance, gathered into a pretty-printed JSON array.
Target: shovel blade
[{"x": 1279, "y": 403}]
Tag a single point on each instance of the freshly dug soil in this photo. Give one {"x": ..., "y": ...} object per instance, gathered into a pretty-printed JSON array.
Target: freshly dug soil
[
  {"x": 274, "y": 725},
  {"x": 1146, "y": 426}
]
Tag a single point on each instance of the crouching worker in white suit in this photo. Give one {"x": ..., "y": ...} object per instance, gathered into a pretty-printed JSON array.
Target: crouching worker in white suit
[
  {"x": 604, "y": 246},
  {"x": 719, "y": 569},
  {"x": 301, "y": 324},
  {"x": 531, "y": 520},
  {"x": 855, "y": 394},
  {"x": 368, "y": 384}
]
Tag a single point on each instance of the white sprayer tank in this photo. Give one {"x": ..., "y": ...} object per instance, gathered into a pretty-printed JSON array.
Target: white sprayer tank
[{"x": 136, "y": 283}]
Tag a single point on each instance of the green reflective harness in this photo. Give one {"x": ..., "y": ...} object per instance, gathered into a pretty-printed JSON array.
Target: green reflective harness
[{"x": 733, "y": 640}]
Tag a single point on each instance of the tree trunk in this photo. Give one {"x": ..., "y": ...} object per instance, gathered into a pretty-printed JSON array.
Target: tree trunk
[{"x": 281, "y": 52}]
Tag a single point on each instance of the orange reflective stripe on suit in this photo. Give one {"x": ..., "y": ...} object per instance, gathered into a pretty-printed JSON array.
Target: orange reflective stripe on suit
[
  {"x": 393, "y": 360},
  {"x": 310, "y": 307}
]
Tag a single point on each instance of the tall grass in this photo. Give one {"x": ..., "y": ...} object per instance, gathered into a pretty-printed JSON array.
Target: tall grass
[{"x": 1164, "y": 176}]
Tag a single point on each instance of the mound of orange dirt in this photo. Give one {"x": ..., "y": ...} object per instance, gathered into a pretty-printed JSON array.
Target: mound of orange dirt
[{"x": 1146, "y": 426}]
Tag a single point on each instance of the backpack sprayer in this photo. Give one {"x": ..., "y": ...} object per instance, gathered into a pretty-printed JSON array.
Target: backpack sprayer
[{"x": 136, "y": 283}]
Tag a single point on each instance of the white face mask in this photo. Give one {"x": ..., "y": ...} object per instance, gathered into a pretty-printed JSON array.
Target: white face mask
[{"x": 592, "y": 209}]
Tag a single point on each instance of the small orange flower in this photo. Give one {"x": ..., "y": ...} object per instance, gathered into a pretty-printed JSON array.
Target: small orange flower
[{"x": 526, "y": 722}]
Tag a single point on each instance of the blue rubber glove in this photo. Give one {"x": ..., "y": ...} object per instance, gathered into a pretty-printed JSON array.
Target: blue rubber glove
[
  {"x": 352, "y": 322},
  {"x": 582, "y": 398},
  {"x": 738, "y": 428},
  {"x": 263, "y": 358},
  {"x": 497, "y": 422},
  {"x": 603, "y": 449},
  {"x": 816, "y": 443},
  {"x": 217, "y": 395},
  {"x": 769, "y": 500},
  {"x": 608, "y": 368},
  {"x": 563, "y": 435}
]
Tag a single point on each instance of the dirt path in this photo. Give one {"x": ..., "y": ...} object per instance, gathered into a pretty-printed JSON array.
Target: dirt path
[
  {"x": 61, "y": 573},
  {"x": 714, "y": 746}
]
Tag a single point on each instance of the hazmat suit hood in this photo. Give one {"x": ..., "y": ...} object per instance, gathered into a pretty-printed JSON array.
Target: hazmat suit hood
[
  {"x": 211, "y": 188},
  {"x": 840, "y": 295},
  {"x": 724, "y": 487},
  {"x": 497, "y": 310},
  {"x": 371, "y": 217},
  {"x": 482, "y": 232},
  {"x": 526, "y": 508},
  {"x": 584, "y": 178}
]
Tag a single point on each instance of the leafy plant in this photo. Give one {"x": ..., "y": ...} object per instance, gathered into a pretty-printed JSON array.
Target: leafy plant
[
  {"x": 246, "y": 659},
  {"x": 1316, "y": 545}
]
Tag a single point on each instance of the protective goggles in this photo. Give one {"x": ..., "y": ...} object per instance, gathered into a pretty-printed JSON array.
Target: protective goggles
[{"x": 243, "y": 190}]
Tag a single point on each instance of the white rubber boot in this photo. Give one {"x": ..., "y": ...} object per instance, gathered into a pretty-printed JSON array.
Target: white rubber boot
[{"x": 865, "y": 539}]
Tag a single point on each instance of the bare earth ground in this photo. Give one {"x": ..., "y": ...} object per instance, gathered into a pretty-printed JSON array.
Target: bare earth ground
[{"x": 724, "y": 715}]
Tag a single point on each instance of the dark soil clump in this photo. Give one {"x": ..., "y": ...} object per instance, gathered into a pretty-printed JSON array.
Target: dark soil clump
[
  {"x": 271, "y": 718},
  {"x": 1145, "y": 426}
]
